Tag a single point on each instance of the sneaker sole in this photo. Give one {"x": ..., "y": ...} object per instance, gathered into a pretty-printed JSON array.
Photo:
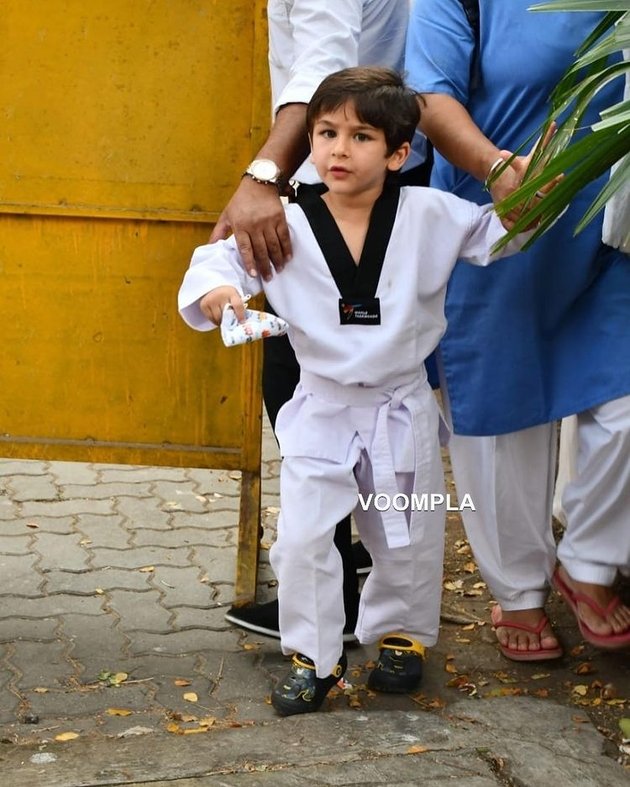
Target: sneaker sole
[{"x": 348, "y": 637}]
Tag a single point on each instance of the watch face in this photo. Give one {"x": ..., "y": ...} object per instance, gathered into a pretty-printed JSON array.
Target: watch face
[{"x": 264, "y": 169}]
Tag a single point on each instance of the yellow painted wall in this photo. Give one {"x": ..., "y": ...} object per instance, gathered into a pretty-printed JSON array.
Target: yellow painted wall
[{"x": 124, "y": 130}]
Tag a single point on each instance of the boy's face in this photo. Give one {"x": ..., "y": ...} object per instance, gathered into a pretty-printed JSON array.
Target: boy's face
[{"x": 350, "y": 156}]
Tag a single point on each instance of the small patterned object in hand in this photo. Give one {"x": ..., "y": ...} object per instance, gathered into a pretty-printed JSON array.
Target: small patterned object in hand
[{"x": 257, "y": 325}]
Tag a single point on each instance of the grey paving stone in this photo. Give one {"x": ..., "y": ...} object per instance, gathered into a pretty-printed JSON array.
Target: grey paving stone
[
  {"x": 38, "y": 524},
  {"x": 214, "y": 520},
  {"x": 43, "y": 630},
  {"x": 9, "y": 708},
  {"x": 8, "y": 509},
  {"x": 192, "y": 641},
  {"x": 153, "y": 720},
  {"x": 49, "y": 606},
  {"x": 210, "y": 481},
  {"x": 179, "y": 496},
  {"x": 73, "y": 473},
  {"x": 59, "y": 508},
  {"x": 62, "y": 704},
  {"x": 140, "y": 557},
  {"x": 15, "y": 545},
  {"x": 89, "y": 582},
  {"x": 142, "y": 513},
  {"x": 192, "y": 617},
  {"x": 224, "y": 595},
  {"x": 95, "y": 644},
  {"x": 22, "y": 467},
  {"x": 270, "y": 471},
  {"x": 218, "y": 563},
  {"x": 19, "y": 575},
  {"x": 182, "y": 586},
  {"x": 173, "y": 702},
  {"x": 59, "y": 551},
  {"x": 139, "y": 474},
  {"x": 33, "y": 487},
  {"x": 141, "y": 611},
  {"x": 40, "y": 664},
  {"x": 101, "y": 490},
  {"x": 181, "y": 536},
  {"x": 104, "y": 531},
  {"x": 161, "y": 669}
]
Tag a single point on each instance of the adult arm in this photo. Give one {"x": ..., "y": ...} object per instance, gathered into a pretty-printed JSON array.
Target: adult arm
[
  {"x": 325, "y": 38},
  {"x": 440, "y": 54},
  {"x": 254, "y": 213}
]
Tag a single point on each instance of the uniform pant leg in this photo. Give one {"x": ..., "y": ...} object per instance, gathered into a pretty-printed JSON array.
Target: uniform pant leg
[
  {"x": 510, "y": 479},
  {"x": 404, "y": 589},
  {"x": 596, "y": 543},
  {"x": 314, "y": 495},
  {"x": 281, "y": 374}
]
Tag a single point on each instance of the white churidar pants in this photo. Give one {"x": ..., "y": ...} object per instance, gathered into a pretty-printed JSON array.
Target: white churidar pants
[
  {"x": 403, "y": 590},
  {"x": 510, "y": 478}
]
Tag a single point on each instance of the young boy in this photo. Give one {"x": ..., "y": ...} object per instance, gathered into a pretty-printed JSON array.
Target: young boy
[{"x": 364, "y": 299}]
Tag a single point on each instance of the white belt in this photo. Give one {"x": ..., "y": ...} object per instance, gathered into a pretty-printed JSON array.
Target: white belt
[{"x": 388, "y": 398}]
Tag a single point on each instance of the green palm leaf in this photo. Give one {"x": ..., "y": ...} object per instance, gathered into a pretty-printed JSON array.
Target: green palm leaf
[{"x": 607, "y": 142}]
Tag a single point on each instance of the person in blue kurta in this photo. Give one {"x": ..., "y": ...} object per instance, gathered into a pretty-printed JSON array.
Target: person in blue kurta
[{"x": 528, "y": 344}]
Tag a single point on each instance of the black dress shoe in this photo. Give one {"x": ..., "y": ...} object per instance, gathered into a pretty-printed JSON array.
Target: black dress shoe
[
  {"x": 263, "y": 619},
  {"x": 301, "y": 691}
]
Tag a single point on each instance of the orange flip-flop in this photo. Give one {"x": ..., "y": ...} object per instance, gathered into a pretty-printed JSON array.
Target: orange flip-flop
[
  {"x": 574, "y": 597},
  {"x": 542, "y": 654}
]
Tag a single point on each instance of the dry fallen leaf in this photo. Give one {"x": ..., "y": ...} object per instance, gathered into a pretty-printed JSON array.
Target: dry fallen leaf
[
  {"x": 147, "y": 569},
  {"x": 118, "y": 678},
  {"x": 41, "y": 690},
  {"x": 118, "y": 712},
  {"x": 450, "y": 668},
  {"x": 181, "y": 682},
  {"x": 585, "y": 668},
  {"x": 190, "y": 696},
  {"x": 581, "y": 690},
  {"x": 251, "y": 646},
  {"x": 417, "y": 750},
  {"x": 66, "y": 736}
]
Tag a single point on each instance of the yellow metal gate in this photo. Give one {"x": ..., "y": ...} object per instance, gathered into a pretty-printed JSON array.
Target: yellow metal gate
[{"x": 124, "y": 128}]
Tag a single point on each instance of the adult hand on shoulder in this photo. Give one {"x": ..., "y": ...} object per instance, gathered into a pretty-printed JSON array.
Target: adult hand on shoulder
[{"x": 256, "y": 217}]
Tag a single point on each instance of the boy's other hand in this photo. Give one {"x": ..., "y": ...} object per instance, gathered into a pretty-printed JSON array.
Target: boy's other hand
[
  {"x": 256, "y": 217},
  {"x": 213, "y": 303}
]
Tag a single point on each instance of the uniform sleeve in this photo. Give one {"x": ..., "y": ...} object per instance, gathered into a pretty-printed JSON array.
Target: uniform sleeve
[
  {"x": 213, "y": 265},
  {"x": 440, "y": 48},
  {"x": 485, "y": 230},
  {"x": 325, "y": 38}
]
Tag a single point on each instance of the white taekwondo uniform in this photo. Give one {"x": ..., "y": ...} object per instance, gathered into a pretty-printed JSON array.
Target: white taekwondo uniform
[{"x": 363, "y": 418}]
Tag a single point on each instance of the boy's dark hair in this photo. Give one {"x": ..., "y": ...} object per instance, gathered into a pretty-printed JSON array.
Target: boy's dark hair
[{"x": 380, "y": 97}]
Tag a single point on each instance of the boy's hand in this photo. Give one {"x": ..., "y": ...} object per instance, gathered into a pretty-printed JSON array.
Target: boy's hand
[{"x": 213, "y": 303}]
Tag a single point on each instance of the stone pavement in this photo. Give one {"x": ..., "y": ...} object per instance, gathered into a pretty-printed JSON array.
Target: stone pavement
[{"x": 117, "y": 667}]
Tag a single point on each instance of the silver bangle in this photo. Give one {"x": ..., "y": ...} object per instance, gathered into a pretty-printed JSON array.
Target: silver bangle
[{"x": 493, "y": 167}]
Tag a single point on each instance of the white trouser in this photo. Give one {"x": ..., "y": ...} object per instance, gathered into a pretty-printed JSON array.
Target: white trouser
[
  {"x": 403, "y": 590},
  {"x": 597, "y": 502},
  {"x": 510, "y": 478},
  {"x": 567, "y": 464}
]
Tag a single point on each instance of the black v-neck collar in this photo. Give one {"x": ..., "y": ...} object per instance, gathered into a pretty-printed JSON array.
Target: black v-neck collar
[{"x": 352, "y": 280}]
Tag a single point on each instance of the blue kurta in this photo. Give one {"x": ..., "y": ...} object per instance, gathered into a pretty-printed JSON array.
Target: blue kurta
[{"x": 548, "y": 334}]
